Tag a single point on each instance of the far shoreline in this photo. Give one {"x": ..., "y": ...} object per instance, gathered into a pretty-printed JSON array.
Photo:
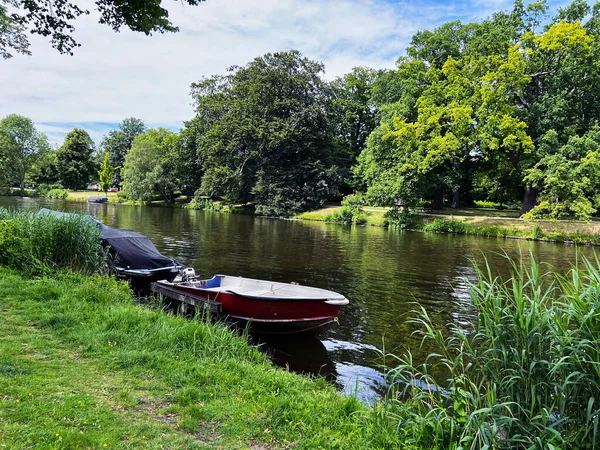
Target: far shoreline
[{"x": 482, "y": 222}]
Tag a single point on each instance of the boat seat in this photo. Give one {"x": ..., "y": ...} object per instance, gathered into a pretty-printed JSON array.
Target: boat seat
[{"x": 238, "y": 291}]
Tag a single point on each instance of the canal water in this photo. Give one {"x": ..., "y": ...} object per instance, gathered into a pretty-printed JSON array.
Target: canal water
[{"x": 385, "y": 274}]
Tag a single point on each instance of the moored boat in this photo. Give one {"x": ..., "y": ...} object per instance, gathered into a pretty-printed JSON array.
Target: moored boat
[
  {"x": 131, "y": 255},
  {"x": 269, "y": 306},
  {"x": 97, "y": 199},
  {"x": 134, "y": 257}
]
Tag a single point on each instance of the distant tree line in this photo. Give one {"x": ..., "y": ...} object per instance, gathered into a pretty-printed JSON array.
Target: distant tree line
[{"x": 504, "y": 110}]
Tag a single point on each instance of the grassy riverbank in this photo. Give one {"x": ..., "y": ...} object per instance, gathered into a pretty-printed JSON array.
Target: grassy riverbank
[
  {"x": 113, "y": 197},
  {"x": 479, "y": 222},
  {"x": 83, "y": 195},
  {"x": 83, "y": 366}
]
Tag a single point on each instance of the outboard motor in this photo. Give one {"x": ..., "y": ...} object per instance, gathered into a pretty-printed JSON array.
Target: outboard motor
[{"x": 188, "y": 274}]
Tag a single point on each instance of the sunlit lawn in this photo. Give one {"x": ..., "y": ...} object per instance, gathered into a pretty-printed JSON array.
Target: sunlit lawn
[
  {"x": 548, "y": 226},
  {"x": 317, "y": 214},
  {"x": 482, "y": 217},
  {"x": 78, "y": 195},
  {"x": 469, "y": 212}
]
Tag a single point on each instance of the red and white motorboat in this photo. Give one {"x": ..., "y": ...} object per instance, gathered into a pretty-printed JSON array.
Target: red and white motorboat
[{"x": 269, "y": 306}]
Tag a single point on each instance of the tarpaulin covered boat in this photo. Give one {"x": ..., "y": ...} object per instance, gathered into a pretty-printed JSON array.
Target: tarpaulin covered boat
[
  {"x": 133, "y": 256},
  {"x": 269, "y": 306}
]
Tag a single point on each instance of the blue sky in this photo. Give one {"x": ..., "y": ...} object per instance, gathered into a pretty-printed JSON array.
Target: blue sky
[{"x": 117, "y": 75}]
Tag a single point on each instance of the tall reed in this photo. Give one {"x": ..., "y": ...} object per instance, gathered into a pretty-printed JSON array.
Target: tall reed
[
  {"x": 526, "y": 376},
  {"x": 40, "y": 243}
]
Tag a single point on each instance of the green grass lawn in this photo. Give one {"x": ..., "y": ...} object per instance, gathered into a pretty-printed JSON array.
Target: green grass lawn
[
  {"x": 484, "y": 221},
  {"x": 375, "y": 214},
  {"x": 83, "y": 195},
  {"x": 81, "y": 366},
  {"x": 476, "y": 212}
]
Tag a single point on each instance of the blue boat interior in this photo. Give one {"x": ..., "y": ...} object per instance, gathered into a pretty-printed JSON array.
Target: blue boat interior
[{"x": 212, "y": 283}]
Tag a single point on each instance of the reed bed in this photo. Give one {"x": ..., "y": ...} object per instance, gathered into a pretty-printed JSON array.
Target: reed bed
[
  {"x": 526, "y": 376},
  {"x": 37, "y": 244}
]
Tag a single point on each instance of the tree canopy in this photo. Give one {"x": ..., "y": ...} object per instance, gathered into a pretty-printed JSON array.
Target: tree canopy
[
  {"x": 74, "y": 159},
  {"x": 149, "y": 166},
  {"x": 55, "y": 20},
  {"x": 118, "y": 142},
  {"x": 505, "y": 110},
  {"x": 264, "y": 134},
  {"x": 477, "y": 113}
]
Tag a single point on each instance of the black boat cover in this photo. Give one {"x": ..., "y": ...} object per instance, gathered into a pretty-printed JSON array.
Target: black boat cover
[
  {"x": 134, "y": 250},
  {"x": 128, "y": 249}
]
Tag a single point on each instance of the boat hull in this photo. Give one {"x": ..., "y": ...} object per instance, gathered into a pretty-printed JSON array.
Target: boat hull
[
  {"x": 97, "y": 199},
  {"x": 273, "y": 315}
]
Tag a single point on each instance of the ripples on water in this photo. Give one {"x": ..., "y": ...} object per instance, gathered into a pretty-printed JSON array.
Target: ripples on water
[{"x": 386, "y": 274}]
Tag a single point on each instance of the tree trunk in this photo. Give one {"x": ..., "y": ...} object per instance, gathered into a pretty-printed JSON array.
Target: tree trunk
[
  {"x": 456, "y": 199},
  {"x": 529, "y": 200},
  {"x": 169, "y": 197},
  {"x": 438, "y": 201}
]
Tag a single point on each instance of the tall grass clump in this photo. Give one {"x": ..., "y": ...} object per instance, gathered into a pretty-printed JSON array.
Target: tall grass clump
[
  {"x": 446, "y": 226},
  {"x": 38, "y": 244},
  {"x": 59, "y": 194},
  {"x": 455, "y": 226},
  {"x": 527, "y": 376}
]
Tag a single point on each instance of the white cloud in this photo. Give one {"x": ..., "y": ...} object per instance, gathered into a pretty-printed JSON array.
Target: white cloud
[{"x": 118, "y": 75}]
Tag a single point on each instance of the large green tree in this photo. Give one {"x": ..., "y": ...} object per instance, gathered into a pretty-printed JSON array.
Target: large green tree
[
  {"x": 21, "y": 144},
  {"x": 464, "y": 116},
  {"x": 74, "y": 159},
  {"x": 149, "y": 167},
  {"x": 55, "y": 20},
  {"x": 44, "y": 169},
  {"x": 265, "y": 134},
  {"x": 478, "y": 103},
  {"x": 118, "y": 142},
  {"x": 562, "y": 97},
  {"x": 188, "y": 162}
]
